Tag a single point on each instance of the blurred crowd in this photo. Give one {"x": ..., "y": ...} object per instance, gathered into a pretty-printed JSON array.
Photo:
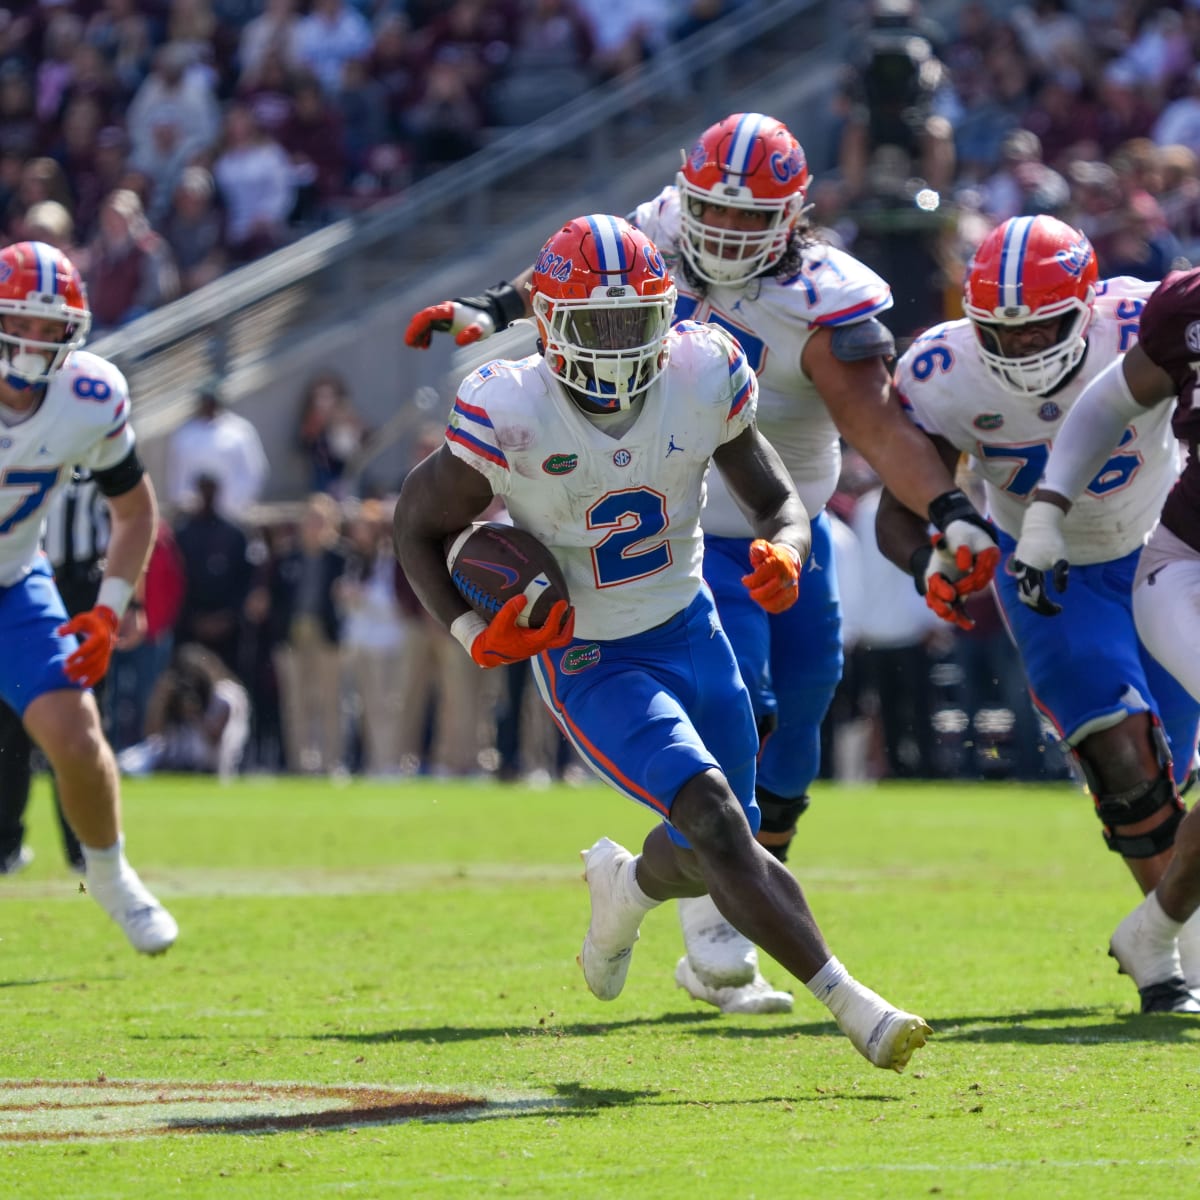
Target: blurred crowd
[
  {"x": 1088, "y": 111},
  {"x": 161, "y": 142}
]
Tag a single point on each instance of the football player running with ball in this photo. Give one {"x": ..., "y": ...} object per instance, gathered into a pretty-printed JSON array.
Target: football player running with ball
[
  {"x": 599, "y": 445},
  {"x": 805, "y": 315},
  {"x": 61, "y": 406},
  {"x": 999, "y": 385},
  {"x": 1156, "y": 379}
]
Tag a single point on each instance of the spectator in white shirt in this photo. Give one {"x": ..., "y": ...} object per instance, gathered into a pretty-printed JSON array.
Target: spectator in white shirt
[
  {"x": 254, "y": 176},
  {"x": 221, "y": 445}
]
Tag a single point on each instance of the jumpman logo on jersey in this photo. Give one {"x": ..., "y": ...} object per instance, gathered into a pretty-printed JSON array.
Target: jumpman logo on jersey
[{"x": 671, "y": 447}]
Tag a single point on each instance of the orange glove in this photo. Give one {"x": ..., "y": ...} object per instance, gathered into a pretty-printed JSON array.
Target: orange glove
[
  {"x": 98, "y": 629},
  {"x": 466, "y": 323},
  {"x": 945, "y": 580},
  {"x": 775, "y": 581},
  {"x": 503, "y": 641}
]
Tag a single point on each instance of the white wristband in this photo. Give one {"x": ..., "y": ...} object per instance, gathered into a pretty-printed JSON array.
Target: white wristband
[
  {"x": 467, "y": 628},
  {"x": 115, "y": 593}
]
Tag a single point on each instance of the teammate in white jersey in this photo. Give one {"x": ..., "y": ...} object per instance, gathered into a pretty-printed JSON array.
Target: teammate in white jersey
[
  {"x": 59, "y": 406},
  {"x": 1158, "y": 374},
  {"x": 600, "y": 446},
  {"x": 806, "y": 317},
  {"x": 997, "y": 386}
]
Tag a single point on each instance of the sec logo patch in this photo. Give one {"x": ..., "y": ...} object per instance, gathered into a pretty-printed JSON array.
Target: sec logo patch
[{"x": 622, "y": 458}]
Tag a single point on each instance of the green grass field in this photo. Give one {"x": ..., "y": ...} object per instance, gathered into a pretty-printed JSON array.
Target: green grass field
[{"x": 368, "y": 940}]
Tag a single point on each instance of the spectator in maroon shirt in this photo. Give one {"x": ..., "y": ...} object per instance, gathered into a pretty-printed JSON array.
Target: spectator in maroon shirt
[
  {"x": 129, "y": 270},
  {"x": 312, "y": 136},
  {"x": 18, "y": 122}
]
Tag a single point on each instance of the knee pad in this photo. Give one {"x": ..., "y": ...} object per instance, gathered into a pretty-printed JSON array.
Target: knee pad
[
  {"x": 1137, "y": 804},
  {"x": 779, "y": 817}
]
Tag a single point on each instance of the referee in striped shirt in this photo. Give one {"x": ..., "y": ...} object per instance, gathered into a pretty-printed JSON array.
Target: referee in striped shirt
[{"x": 75, "y": 539}]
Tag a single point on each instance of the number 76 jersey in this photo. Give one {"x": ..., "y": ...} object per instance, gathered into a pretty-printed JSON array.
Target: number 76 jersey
[
  {"x": 84, "y": 420},
  {"x": 949, "y": 392}
]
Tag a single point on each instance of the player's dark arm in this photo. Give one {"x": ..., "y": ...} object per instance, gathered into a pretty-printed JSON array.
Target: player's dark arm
[
  {"x": 859, "y": 395},
  {"x": 901, "y": 534},
  {"x": 762, "y": 487},
  {"x": 441, "y": 495}
]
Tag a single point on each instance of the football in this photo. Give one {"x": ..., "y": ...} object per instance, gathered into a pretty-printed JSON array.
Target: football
[{"x": 491, "y": 563}]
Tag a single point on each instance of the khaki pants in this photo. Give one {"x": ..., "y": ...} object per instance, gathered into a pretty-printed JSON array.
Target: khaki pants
[
  {"x": 309, "y": 669},
  {"x": 434, "y": 667},
  {"x": 375, "y": 675}
]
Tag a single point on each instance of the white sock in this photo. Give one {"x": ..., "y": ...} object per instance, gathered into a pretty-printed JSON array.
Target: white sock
[
  {"x": 835, "y": 987},
  {"x": 1156, "y": 925},
  {"x": 106, "y": 863},
  {"x": 633, "y": 889}
]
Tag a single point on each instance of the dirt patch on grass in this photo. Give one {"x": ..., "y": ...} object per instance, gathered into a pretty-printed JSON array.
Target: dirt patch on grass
[{"x": 42, "y": 1110}]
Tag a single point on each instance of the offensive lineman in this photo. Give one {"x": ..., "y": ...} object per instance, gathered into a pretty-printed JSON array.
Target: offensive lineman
[
  {"x": 1166, "y": 591},
  {"x": 998, "y": 385},
  {"x": 639, "y": 674},
  {"x": 61, "y": 405},
  {"x": 805, "y": 314}
]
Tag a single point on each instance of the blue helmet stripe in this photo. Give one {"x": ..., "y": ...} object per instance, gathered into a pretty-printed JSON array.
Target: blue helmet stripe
[
  {"x": 47, "y": 276},
  {"x": 1012, "y": 261},
  {"x": 737, "y": 161},
  {"x": 610, "y": 247}
]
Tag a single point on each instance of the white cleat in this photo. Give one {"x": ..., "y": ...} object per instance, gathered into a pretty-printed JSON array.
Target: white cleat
[
  {"x": 608, "y": 944},
  {"x": 749, "y": 999},
  {"x": 148, "y": 926},
  {"x": 885, "y": 1036},
  {"x": 1152, "y": 963},
  {"x": 723, "y": 957}
]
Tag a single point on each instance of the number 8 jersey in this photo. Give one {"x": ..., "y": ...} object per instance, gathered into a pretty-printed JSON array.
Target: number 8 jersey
[
  {"x": 618, "y": 504},
  {"x": 83, "y": 420},
  {"x": 948, "y": 392}
]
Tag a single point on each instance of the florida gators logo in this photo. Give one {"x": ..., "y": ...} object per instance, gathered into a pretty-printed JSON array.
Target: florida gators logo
[
  {"x": 698, "y": 157},
  {"x": 654, "y": 261},
  {"x": 579, "y": 658},
  {"x": 554, "y": 265},
  {"x": 560, "y": 464},
  {"x": 786, "y": 167},
  {"x": 1075, "y": 258}
]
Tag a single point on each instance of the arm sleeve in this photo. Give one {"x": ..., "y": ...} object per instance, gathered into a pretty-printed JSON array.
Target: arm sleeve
[{"x": 1092, "y": 428}]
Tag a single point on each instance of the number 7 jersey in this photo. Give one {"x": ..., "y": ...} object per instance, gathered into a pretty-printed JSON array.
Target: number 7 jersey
[
  {"x": 949, "y": 392},
  {"x": 83, "y": 420},
  {"x": 621, "y": 514}
]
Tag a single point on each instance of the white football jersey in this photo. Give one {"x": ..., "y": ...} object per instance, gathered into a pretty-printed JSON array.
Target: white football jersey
[
  {"x": 772, "y": 320},
  {"x": 949, "y": 391},
  {"x": 83, "y": 419},
  {"x": 621, "y": 514}
]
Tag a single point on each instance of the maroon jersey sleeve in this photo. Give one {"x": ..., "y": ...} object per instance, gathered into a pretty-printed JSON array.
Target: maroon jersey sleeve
[{"x": 1170, "y": 336}]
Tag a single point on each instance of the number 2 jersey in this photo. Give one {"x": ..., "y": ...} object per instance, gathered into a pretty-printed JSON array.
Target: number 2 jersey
[
  {"x": 84, "y": 420},
  {"x": 948, "y": 391},
  {"x": 621, "y": 514},
  {"x": 772, "y": 321}
]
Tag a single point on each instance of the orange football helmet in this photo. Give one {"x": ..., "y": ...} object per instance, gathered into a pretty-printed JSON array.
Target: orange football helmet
[
  {"x": 603, "y": 301},
  {"x": 1032, "y": 269},
  {"x": 36, "y": 280},
  {"x": 748, "y": 162}
]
